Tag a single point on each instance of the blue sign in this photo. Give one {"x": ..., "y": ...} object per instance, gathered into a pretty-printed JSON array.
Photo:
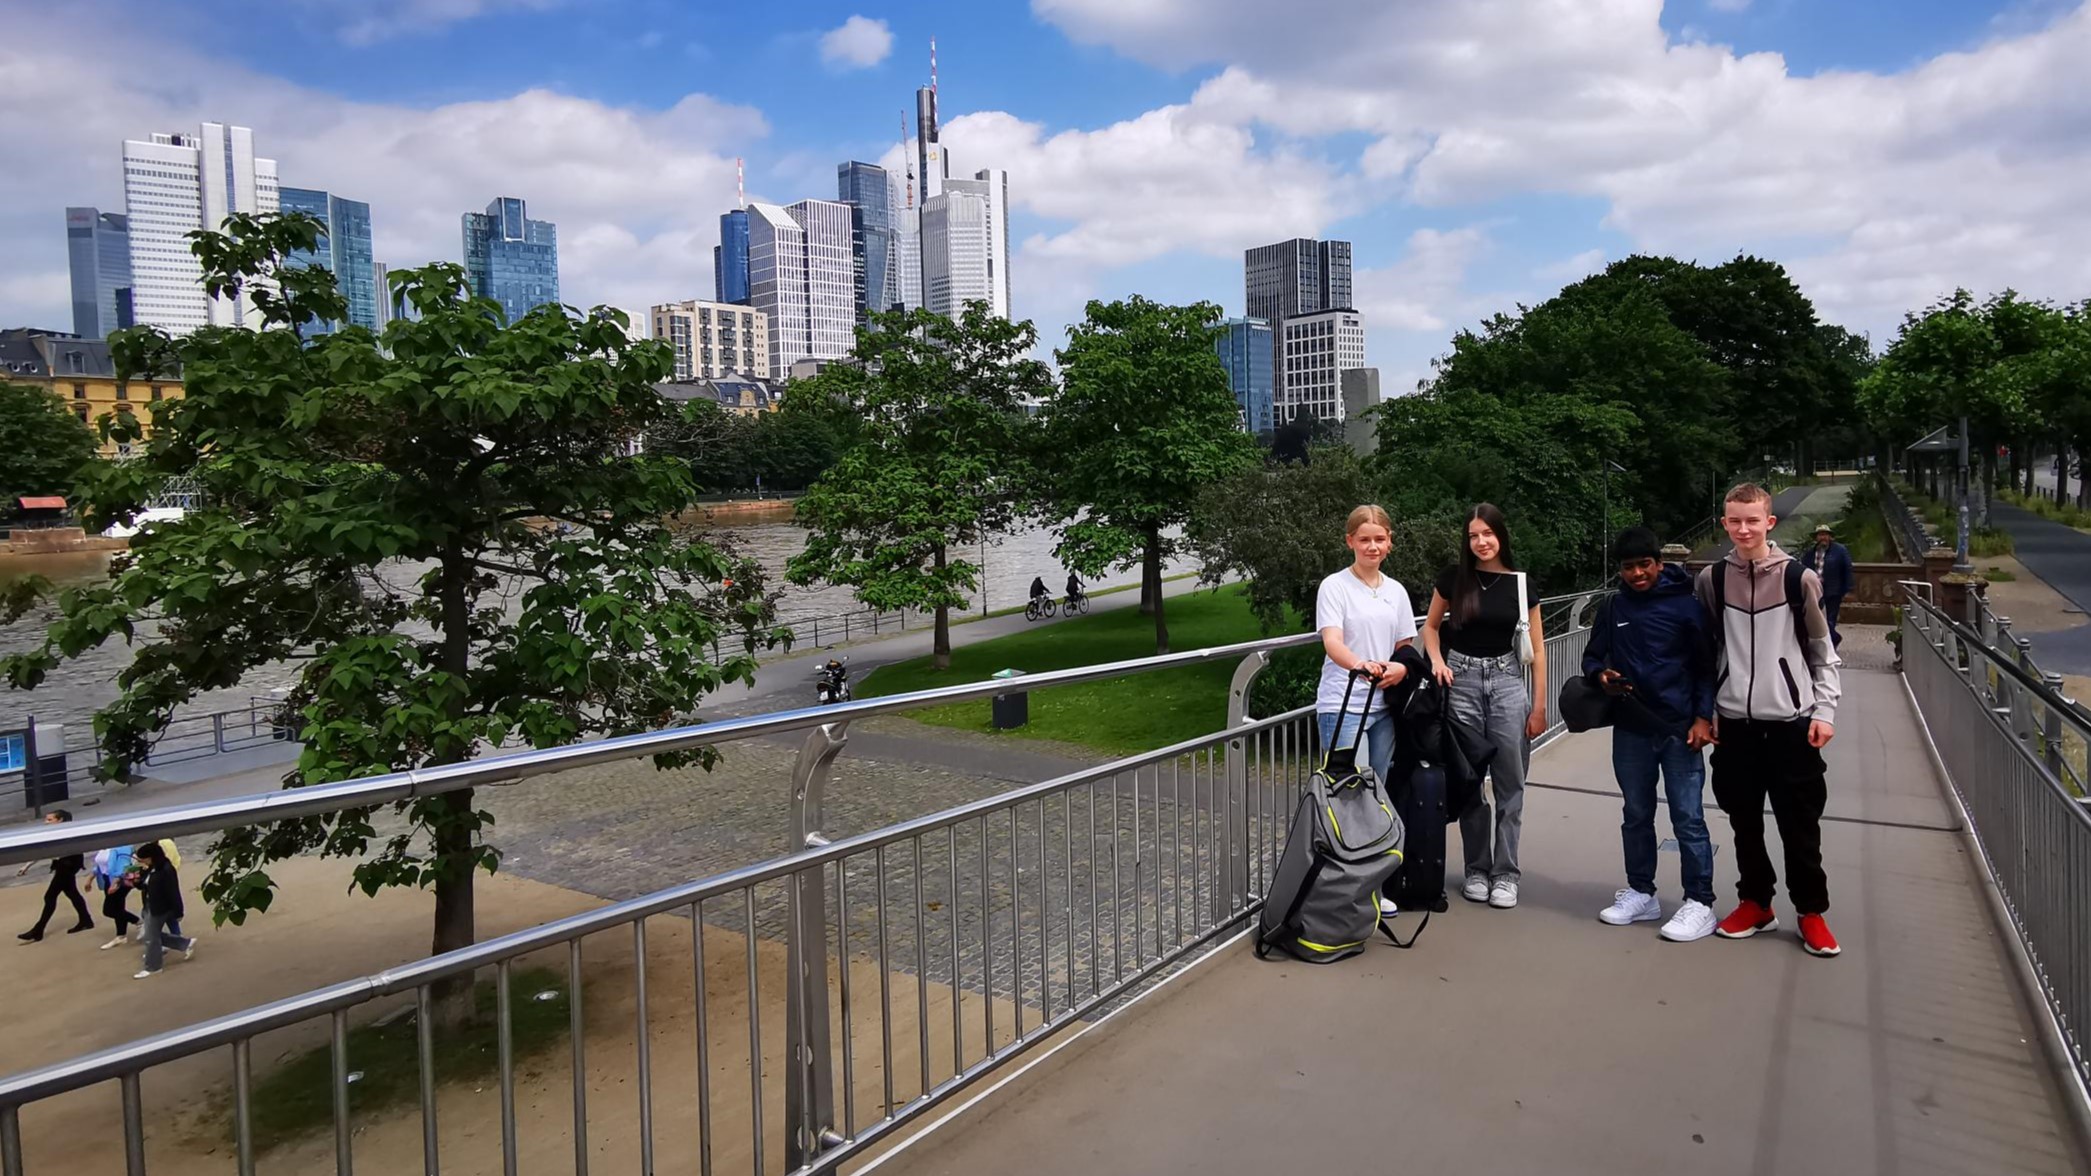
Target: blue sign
[{"x": 14, "y": 752}]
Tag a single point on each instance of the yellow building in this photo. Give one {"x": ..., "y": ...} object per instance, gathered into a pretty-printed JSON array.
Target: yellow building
[{"x": 82, "y": 374}]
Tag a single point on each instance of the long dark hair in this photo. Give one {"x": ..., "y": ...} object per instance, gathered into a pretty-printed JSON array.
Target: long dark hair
[{"x": 1466, "y": 585}]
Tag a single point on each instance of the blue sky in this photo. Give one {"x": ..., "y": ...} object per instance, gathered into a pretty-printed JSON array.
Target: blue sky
[{"x": 1477, "y": 153}]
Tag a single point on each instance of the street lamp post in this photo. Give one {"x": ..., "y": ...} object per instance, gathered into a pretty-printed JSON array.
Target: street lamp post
[{"x": 1961, "y": 562}]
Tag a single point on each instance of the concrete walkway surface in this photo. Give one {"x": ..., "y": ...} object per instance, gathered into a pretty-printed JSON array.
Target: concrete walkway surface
[{"x": 1542, "y": 1041}]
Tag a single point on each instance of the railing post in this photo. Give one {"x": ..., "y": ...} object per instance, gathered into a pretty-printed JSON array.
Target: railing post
[
  {"x": 1233, "y": 893},
  {"x": 2051, "y": 730},
  {"x": 809, "y": 1085},
  {"x": 218, "y": 731}
]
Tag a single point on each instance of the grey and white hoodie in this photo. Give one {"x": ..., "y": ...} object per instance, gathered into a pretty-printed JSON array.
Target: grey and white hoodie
[{"x": 1765, "y": 671}]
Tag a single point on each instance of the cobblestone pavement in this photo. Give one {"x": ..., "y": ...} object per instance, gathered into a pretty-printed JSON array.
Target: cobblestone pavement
[{"x": 1055, "y": 899}]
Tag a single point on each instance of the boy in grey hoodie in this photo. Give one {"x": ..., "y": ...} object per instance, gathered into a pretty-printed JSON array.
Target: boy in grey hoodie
[{"x": 1776, "y": 708}]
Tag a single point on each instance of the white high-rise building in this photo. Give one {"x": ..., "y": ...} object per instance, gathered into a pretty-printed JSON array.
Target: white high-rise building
[
  {"x": 1318, "y": 349},
  {"x": 978, "y": 265},
  {"x": 173, "y": 185},
  {"x": 802, "y": 277}
]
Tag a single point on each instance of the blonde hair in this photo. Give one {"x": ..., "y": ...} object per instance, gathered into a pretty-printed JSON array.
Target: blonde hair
[
  {"x": 1368, "y": 513},
  {"x": 1748, "y": 492}
]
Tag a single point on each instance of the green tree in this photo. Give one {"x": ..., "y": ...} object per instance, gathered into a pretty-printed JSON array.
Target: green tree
[
  {"x": 441, "y": 527},
  {"x": 934, "y": 467},
  {"x": 43, "y": 446},
  {"x": 1143, "y": 421}
]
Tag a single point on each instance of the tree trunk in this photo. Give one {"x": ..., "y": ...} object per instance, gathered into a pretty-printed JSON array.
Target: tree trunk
[
  {"x": 1150, "y": 591},
  {"x": 454, "y": 925},
  {"x": 1989, "y": 482},
  {"x": 940, "y": 649},
  {"x": 1151, "y": 576},
  {"x": 2061, "y": 472}
]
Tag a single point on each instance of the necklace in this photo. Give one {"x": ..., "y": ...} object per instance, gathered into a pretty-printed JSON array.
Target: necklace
[{"x": 1370, "y": 589}]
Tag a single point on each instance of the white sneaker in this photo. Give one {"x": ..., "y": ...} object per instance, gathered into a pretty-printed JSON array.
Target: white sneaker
[
  {"x": 1387, "y": 909},
  {"x": 1503, "y": 895},
  {"x": 1631, "y": 906},
  {"x": 116, "y": 942},
  {"x": 189, "y": 952},
  {"x": 1476, "y": 889},
  {"x": 145, "y": 975},
  {"x": 1693, "y": 920}
]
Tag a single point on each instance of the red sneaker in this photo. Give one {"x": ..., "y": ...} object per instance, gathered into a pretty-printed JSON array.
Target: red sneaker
[
  {"x": 1745, "y": 920},
  {"x": 1816, "y": 937}
]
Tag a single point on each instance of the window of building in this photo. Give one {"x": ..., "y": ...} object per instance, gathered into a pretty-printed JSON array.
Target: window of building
[
  {"x": 123, "y": 392},
  {"x": 80, "y": 410},
  {"x": 156, "y": 392},
  {"x": 79, "y": 391}
]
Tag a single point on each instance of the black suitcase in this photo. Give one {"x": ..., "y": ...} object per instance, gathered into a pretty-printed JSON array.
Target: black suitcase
[{"x": 1420, "y": 802}]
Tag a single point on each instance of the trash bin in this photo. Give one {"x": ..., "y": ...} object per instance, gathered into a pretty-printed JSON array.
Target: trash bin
[
  {"x": 50, "y": 784},
  {"x": 1011, "y": 710}
]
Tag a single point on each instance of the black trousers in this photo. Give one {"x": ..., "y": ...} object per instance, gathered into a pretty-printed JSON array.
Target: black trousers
[
  {"x": 68, "y": 885},
  {"x": 115, "y": 908},
  {"x": 1757, "y": 761}
]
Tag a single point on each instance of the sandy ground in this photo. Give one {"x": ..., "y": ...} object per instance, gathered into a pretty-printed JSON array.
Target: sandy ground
[{"x": 84, "y": 999}]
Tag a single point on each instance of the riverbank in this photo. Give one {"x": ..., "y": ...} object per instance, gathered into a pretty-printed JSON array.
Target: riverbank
[{"x": 59, "y": 541}]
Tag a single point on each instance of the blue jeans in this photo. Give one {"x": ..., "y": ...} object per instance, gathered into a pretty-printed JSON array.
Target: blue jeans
[
  {"x": 1636, "y": 760},
  {"x": 1379, "y": 739}
]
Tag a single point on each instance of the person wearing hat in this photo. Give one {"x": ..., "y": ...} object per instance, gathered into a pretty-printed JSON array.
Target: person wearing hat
[{"x": 1830, "y": 560}]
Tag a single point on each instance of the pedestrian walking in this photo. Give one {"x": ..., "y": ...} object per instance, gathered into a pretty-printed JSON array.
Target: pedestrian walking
[
  {"x": 1776, "y": 706},
  {"x": 163, "y": 908},
  {"x": 65, "y": 874},
  {"x": 1481, "y": 634},
  {"x": 111, "y": 875},
  {"x": 1831, "y": 562}
]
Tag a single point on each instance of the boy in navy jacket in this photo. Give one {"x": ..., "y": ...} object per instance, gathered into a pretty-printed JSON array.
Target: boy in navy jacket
[{"x": 1652, "y": 647}]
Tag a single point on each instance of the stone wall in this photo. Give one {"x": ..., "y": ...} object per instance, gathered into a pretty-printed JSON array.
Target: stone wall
[{"x": 53, "y": 540}]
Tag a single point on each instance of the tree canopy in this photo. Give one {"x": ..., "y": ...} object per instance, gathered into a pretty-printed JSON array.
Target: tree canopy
[
  {"x": 42, "y": 444},
  {"x": 442, "y": 527},
  {"x": 1143, "y": 421},
  {"x": 936, "y": 464}
]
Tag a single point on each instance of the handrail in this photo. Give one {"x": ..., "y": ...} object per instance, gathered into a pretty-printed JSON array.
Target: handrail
[{"x": 45, "y": 841}]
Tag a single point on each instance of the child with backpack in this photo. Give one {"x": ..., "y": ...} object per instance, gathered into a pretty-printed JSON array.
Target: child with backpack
[
  {"x": 1776, "y": 704},
  {"x": 1651, "y": 649}
]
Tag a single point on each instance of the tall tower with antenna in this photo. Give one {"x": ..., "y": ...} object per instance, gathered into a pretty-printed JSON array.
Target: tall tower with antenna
[{"x": 929, "y": 150}]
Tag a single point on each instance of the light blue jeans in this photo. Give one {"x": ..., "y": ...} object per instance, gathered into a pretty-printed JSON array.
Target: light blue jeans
[
  {"x": 1379, "y": 738},
  {"x": 1489, "y": 696}
]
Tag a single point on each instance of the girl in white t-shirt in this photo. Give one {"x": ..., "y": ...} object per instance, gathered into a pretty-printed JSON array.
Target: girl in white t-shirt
[{"x": 1363, "y": 616}]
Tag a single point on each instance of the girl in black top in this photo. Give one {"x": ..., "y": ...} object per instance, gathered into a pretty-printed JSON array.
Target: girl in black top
[
  {"x": 163, "y": 905},
  {"x": 1471, "y": 637},
  {"x": 65, "y": 872}
]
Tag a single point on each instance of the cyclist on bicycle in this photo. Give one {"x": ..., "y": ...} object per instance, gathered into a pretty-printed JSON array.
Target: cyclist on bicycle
[
  {"x": 1038, "y": 588},
  {"x": 1074, "y": 587}
]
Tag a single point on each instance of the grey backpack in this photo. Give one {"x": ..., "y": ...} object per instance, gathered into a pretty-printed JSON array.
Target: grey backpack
[{"x": 1344, "y": 844}]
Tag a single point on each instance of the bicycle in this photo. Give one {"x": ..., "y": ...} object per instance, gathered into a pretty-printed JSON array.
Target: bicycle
[
  {"x": 1077, "y": 604},
  {"x": 1039, "y": 608}
]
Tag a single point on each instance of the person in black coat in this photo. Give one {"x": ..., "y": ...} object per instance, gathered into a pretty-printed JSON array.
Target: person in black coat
[
  {"x": 161, "y": 886},
  {"x": 65, "y": 873}
]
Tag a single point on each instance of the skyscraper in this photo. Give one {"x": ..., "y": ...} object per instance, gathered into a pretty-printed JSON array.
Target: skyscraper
[
  {"x": 800, "y": 275},
  {"x": 510, "y": 258},
  {"x": 907, "y": 247},
  {"x": 343, "y": 249},
  {"x": 174, "y": 185},
  {"x": 869, "y": 194},
  {"x": 934, "y": 167},
  {"x": 1245, "y": 351},
  {"x": 1318, "y": 349},
  {"x": 730, "y": 258},
  {"x": 974, "y": 262},
  {"x": 98, "y": 245},
  {"x": 1293, "y": 278}
]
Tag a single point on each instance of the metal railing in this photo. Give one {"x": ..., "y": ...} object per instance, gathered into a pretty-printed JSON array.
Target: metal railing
[
  {"x": 1913, "y": 536},
  {"x": 185, "y": 738},
  {"x": 1995, "y": 631},
  {"x": 916, "y": 958},
  {"x": 2007, "y": 740}
]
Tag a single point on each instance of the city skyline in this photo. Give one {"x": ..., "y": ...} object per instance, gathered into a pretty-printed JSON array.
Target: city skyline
[{"x": 1143, "y": 158}]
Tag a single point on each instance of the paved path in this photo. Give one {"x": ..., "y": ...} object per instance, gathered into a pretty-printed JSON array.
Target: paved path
[
  {"x": 1539, "y": 1040},
  {"x": 2057, "y": 554}
]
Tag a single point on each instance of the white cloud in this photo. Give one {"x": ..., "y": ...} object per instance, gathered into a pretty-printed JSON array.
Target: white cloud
[
  {"x": 636, "y": 193},
  {"x": 1571, "y": 269},
  {"x": 1423, "y": 290},
  {"x": 1880, "y": 190},
  {"x": 858, "y": 43},
  {"x": 367, "y": 22}
]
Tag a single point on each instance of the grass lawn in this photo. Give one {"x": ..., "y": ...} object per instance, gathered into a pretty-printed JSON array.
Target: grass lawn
[
  {"x": 1132, "y": 714},
  {"x": 297, "y": 1097}
]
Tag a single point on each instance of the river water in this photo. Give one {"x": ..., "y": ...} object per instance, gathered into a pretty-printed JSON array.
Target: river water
[{"x": 77, "y": 688}]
